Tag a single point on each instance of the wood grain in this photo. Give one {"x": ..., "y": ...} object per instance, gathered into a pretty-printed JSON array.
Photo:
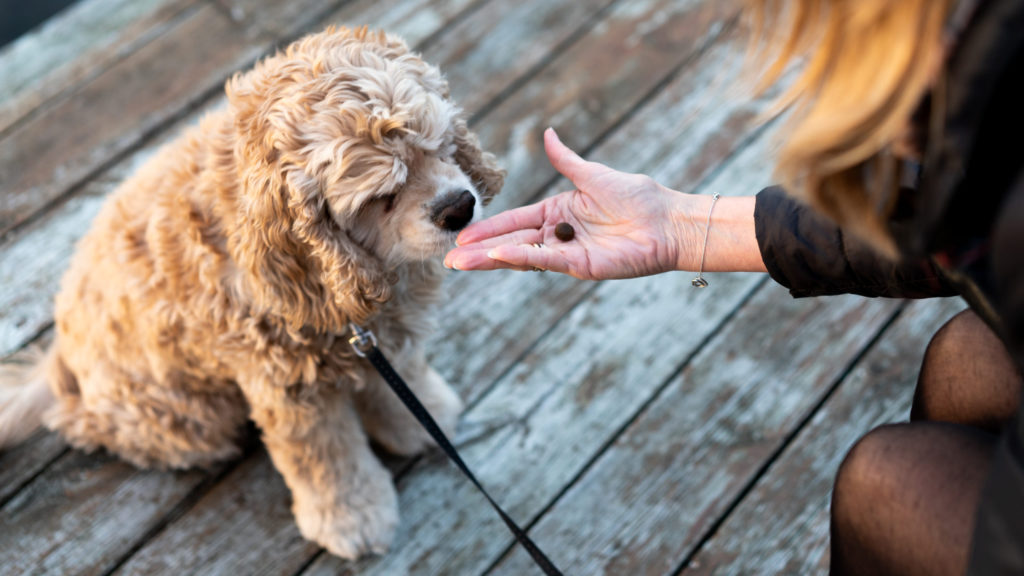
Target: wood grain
[
  {"x": 678, "y": 467},
  {"x": 84, "y": 512},
  {"x": 594, "y": 84},
  {"x": 76, "y": 45},
  {"x": 781, "y": 527},
  {"x": 228, "y": 521},
  {"x": 44, "y": 157},
  {"x": 417, "y": 21},
  {"x": 512, "y": 38},
  {"x": 278, "y": 20},
  {"x": 19, "y": 464}
]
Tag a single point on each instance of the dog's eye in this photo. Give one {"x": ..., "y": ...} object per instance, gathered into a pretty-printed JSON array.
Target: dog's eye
[{"x": 389, "y": 202}]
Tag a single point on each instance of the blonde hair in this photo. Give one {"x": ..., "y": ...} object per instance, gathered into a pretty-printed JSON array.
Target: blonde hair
[{"x": 866, "y": 64}]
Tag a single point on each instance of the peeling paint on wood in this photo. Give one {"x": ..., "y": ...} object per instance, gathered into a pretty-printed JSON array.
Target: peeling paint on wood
[
  {"x": 782, "y": 526},
  {"x": 414, "y": 20},
  {"x": 512, "y": 37},
  {"x": 680, "y": 465},
  {"x": 224, "y": 526},
  {"x": 41, "y": 159},
  {"x": 84, "y": 512},
  {"x": 74, "y": 46},
  {"x": 591, "y": 86}
]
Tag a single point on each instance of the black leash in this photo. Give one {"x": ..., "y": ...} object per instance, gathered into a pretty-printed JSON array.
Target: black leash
[{"x": 365, "y": 344}]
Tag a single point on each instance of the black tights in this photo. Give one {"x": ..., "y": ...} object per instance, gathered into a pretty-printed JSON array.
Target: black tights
[{"x": 905, "y": 496}]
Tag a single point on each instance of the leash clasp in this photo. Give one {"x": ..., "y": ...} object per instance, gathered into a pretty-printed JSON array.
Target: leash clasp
[{"x": 362, "y": 340}]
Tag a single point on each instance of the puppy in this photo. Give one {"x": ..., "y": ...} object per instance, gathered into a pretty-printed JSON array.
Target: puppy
[{"x": 216, "y": 284}]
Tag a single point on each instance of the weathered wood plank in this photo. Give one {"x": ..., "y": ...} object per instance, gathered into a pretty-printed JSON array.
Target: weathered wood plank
[
  {"x": 249, "y": 507},
  {"x": 678, "y": 467},
  {"x": 782, "y": 525},
  {"x": 74, "y": 46},
  {"x": 19, "y": 464},
  {"x": 85, "y": 512},
  {"x": 510, "y": 37},
  {"x": 595, "y": 83},
  {"x": 417, "y": 21},
  {"x": 277, "y": 20},
  {"x": 42, "y": 158}
]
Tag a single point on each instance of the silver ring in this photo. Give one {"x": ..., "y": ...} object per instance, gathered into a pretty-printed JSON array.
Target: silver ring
[{"x": 537, "y": 244}]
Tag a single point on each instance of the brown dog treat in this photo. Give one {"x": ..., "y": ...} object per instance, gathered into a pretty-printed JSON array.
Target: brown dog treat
[{"x": 564, "y": 231}]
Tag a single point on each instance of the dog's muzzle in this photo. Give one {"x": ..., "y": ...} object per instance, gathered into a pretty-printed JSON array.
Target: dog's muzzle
[{"x": 454, "y": 210}]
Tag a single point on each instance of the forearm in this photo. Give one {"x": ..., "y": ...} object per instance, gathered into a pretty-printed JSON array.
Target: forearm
[{"x": 731, "y": 239}]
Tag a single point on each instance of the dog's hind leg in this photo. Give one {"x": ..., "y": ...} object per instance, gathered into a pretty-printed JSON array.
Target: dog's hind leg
[
  {"x": 162, "y": 425},
  {"x": 389, "y": 422},
  {"x": 343, "y": 497}
]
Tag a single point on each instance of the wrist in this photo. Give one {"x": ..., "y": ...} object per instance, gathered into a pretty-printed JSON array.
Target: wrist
[
  {"x": 726, "y": 242},
  {"x": 690, "y": 218}
]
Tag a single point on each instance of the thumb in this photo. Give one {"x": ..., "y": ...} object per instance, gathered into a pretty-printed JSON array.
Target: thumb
[{"x": 567, "y": 162}]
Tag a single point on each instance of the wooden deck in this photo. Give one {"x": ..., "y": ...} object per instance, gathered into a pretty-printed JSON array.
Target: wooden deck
[{"x": 636, "y": 427}]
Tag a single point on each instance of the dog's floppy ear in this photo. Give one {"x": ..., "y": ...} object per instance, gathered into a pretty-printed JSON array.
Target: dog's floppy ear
[
  {"x": 482, "y": 167},
  {"x": 299, "y": 263},
  {"x": 355, "y": 280}
]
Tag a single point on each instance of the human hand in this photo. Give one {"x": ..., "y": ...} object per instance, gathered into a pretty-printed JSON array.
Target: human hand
[{"x": 626, "y": 225}]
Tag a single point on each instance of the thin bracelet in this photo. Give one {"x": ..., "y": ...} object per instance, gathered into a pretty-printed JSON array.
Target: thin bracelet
[{"x": 699, "y": 281}]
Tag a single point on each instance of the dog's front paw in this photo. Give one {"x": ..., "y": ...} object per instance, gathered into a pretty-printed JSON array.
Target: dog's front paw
[
  {"x": 352, "y": 530},
  {"x": 446, "y": 408},
  {"x": 406, "y": 437}
]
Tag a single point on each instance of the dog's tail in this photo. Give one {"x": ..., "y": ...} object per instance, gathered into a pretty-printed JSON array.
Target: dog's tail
[{"x": 24, "y": 395}]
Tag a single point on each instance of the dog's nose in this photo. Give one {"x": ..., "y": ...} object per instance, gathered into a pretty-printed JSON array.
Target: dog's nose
[{"x": 454, "y": 211}]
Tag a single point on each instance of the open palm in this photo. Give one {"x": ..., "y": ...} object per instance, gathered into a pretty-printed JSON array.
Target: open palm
[{"x": 623, "y": 226}]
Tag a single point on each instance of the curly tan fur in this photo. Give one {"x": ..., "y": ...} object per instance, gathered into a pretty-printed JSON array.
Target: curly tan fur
[{"x": 216, "y": 284}]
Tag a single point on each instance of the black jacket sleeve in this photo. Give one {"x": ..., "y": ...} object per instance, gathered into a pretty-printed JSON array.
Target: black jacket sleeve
[{"x": 807, "y": 253}]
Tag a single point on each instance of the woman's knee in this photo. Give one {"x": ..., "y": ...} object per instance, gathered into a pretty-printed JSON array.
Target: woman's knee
[
  {"x": 904, "y": 499},
  {"x": 868, "y": 470},
  {"x": 967, "y": 376}
]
